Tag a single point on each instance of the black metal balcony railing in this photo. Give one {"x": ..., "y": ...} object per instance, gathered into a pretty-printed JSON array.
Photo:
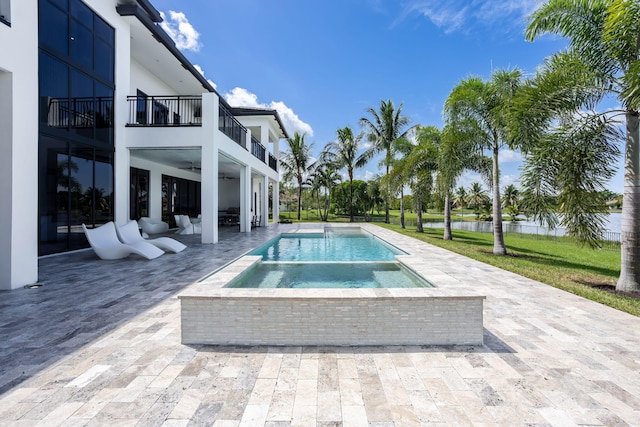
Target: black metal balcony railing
[
  {"x": 231, "y": 127},
  {"x": 257, "y": 149},
  {"x": 79, "y": 112},
  {"x": 165, "y": 110},
  {"x": 273, "y": 162}
]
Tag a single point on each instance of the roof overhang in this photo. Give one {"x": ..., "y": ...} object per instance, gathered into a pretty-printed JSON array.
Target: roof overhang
[
  {"x": 149, "y": 17},
  {"x": 246, "y": 111}
]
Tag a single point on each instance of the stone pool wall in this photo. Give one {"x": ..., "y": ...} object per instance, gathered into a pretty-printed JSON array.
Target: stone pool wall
[
  {"x": 330, "y": 317},
  {"x": 213, "y": 314}
]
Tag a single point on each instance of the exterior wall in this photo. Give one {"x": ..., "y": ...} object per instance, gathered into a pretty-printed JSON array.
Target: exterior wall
[
  {"x": 19, "y": 145},
  {"x": 228, "y": 193},
  {"x": 146, "y": 81},
  {"x": 331, "y": 320}
]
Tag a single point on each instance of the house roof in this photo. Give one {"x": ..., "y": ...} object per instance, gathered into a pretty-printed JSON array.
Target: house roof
[
  {"x": 247, "y": 111},
  {"x": 150, "y": 17}
]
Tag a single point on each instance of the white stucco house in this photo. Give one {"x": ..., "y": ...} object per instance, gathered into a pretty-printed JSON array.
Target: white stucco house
[{"x": 102, "y": 118}]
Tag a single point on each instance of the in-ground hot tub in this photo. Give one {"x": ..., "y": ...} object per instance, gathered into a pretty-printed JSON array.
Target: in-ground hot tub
[{"x": 214, "y": 313}]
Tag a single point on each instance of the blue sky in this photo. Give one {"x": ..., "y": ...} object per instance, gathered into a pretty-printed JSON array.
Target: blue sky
[{"x": 321, "y": 64}]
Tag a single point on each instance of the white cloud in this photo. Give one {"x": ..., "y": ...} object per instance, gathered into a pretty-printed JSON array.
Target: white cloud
[
  {"x": 239, "y": 97},
  {"x": 201, "y": 71},
  {"x": 462, "y": 15},
  {"x": 181, "y": 31},
  {"x": 509, "y": 156}
]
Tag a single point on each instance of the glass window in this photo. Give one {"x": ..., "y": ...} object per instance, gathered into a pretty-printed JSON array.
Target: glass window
[
  {"x": 54, "y": 92},
  {"x": 82, "y": 105},
  {"x": 139, "y": 193},
  {"x": 103, "y": 30},
  {"x": 104, "y": 113},
  {"x": 103, "y": 187},
  {"x": 53, "y": 201},
  {"x": 62, "y": 4},
  {"x": 81, "y": 194},
  {"x": 54, "y": 27},
  {"x": 104, "y": 63},
  {"x": 81, "y": 42},
  {"x": 82, "y": 13}
]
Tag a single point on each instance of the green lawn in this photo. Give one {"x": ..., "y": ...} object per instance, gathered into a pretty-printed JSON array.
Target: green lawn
[{"x": 582, "y": 271}]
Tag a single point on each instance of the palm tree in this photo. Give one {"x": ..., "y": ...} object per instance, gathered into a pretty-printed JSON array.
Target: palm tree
[
  {"x": 458, "y": 153},
  {"x": 460, "y": 198},
  {"x": 484, "y": 105},
  {"x": 477, "y": 198},
  {"x": 557, "y": 109},
  {"x": 384, "y": 127},
  {"x": 511, "y": 201},
  {"x": 343, "y": 152},
  {"x": 322, "y": 181},
  {"x": 297, "y": 162},
  {"x": 416, "y": 168}
]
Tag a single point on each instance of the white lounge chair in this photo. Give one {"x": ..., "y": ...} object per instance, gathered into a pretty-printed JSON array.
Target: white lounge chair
[
  {"x": 105, "y": 243},
  {"x": 185, "y": 226},
  {"x": 130, "y": 234},
  {"x": 153, "y": 225}
]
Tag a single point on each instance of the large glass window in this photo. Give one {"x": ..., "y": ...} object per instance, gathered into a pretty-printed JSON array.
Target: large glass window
[
  {"x": 139, "y": 193},
  {"x": 76, "y": 123},
  {"x": 76, "y": 185},
  {"x": 179, "y": 197}
]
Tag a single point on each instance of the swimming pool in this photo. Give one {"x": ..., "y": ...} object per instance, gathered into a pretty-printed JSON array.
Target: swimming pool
[
  {"x": 329, "y": 275},
  {"x": 346, "y": 245},
  {"x": 345, "y": 258}
]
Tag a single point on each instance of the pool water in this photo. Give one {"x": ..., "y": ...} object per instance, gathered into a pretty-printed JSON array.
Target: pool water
[
  {"x": 329, "y": 275},
  {"x": 330, "y": 246}
]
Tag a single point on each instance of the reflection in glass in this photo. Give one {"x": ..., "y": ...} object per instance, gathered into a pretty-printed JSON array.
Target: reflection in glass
[
  {"x": 54, "y": 30},
  {"x": 82, "y": 105},
  {"x": 54, "y": 92}
]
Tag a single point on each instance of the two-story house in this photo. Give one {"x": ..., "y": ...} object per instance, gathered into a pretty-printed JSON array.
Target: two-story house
[{"x": 103, "y": 119}]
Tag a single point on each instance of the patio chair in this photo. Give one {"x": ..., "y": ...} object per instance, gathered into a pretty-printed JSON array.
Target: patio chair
[
  {"x": 105, "y": 243},
  {"x": 130, "y": 235},
  {"x": 184, "y": 224},
  {"x": 153, "y": 225}
]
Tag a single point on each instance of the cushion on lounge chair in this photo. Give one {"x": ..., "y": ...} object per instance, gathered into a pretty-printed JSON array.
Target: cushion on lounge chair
[
  {"x": 105, "y": 243},
  {"x": 129, "y": 234}
]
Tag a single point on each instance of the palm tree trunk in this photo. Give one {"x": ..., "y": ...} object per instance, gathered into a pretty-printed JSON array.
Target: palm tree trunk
[
  {"x": 419, "y": 227},
  {"x": 299, "y": 199},
  {"x": 498, "y": 237},
  {"x": 629, "y": 279},
  {"x": 350, "y": 199},
  {"x": 386, "y": 199},
  {"x": 401, "y": 207},
  {"x": 447, "y": 218}
]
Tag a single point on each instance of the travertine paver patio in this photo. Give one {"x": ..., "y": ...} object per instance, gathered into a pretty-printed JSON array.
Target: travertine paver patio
[{"x": 99, "y": 344}]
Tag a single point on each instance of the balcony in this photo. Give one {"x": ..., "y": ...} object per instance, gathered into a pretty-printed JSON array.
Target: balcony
[
  {"x": 257, "y": 149},
  {"x": 273, "y": 162},
  {"x": 165, "y": 111},
  {"x": 231, "y": 127}
]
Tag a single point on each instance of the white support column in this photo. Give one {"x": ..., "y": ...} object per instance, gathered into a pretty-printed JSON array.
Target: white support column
[
  {"x": 245, "y": 199},
  {"x": 264, "y": 201},
  {"x": 209, "y": 171},
  {"x": 155, "y": 194}
]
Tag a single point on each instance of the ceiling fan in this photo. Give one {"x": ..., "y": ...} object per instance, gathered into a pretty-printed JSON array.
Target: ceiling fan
[
  {"x": 192, "y": 167},
  {"x": 223, "y": 177}
]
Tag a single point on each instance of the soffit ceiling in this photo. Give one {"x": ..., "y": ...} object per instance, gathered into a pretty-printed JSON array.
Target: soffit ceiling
[{"x": 186, "y": 159}]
